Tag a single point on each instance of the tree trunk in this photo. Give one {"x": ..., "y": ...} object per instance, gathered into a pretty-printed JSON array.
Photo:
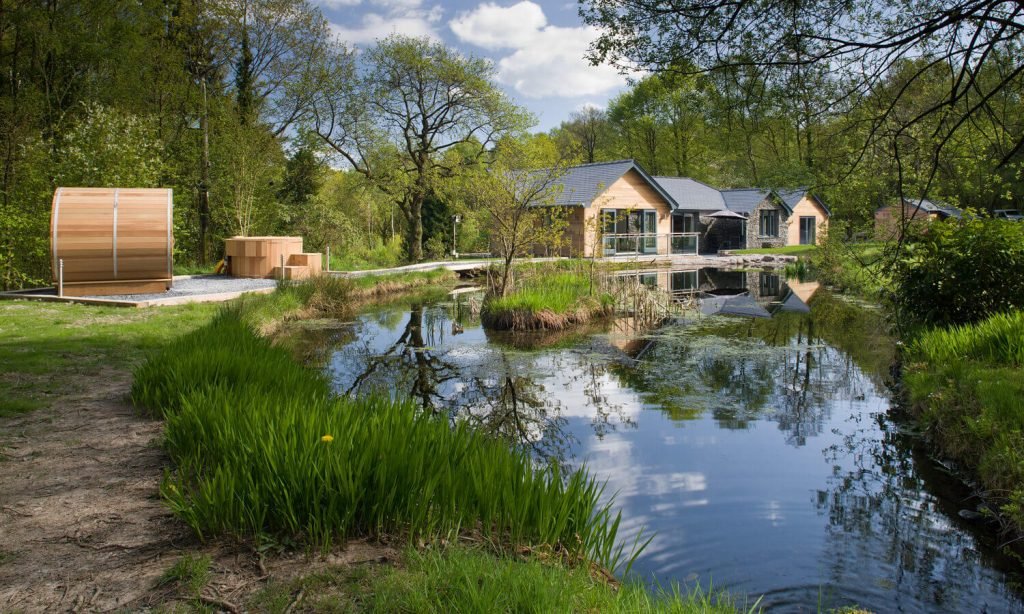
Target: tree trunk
[{"x": 414, "y": 231}]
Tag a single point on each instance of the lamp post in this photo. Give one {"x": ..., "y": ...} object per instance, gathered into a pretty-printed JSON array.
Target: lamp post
[{"x": 455, "y": 250}]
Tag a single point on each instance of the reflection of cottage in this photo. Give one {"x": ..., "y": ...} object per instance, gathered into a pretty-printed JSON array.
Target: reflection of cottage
[
  {"x": 919, "y": 212},
  {"x": 616, "y": 208}
]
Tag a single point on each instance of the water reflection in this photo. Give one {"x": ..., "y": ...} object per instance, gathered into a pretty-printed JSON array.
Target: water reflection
[{"x": 759, "y": 450}]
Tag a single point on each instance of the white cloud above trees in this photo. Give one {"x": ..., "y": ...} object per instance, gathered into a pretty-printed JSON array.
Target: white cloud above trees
[
  {"x": 537, "y": 59},
  {"x": 386, "y": 17}
]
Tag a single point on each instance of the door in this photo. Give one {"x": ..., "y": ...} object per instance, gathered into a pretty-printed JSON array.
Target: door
[
  {"x": 650, "y": 230},
  {"x": 808, "y": 229}
]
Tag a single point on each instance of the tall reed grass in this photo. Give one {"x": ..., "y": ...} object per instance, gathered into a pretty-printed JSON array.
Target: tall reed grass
[
  {"x": 262, "y": 450},
  {"x": 997, "y": 340},
  {"x": 966, "y": 385},
  {"x": 548, "y": 299}
]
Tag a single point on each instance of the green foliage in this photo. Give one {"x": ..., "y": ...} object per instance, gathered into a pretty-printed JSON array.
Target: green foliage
[
  {"x": 846, "y": 266},
  {"x": 965, "y": 384},
  {"x": 108, "y": 147},
  {"x": 263, "y": 451},
  {"x": 961, "y": 272},
  {"x": 190, "y": 572}
]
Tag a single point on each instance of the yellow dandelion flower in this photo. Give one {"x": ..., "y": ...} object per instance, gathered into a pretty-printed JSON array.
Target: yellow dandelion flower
[{"x": 327, "y": 439}]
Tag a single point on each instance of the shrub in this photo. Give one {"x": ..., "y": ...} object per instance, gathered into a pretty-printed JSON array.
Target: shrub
[{"x": 962, "y": 272}]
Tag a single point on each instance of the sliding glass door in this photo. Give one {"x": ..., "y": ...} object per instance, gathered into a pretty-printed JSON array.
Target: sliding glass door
[{"x": 629, "y": 232}]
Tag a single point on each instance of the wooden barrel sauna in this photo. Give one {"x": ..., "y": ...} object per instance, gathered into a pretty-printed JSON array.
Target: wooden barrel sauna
[{"x": 112, "y": 240}]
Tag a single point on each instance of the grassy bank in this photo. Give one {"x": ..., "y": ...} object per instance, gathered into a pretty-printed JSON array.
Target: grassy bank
[
  {"x": 548, "y": 298},
  {"x": 262, "y": 451},
  {"x": 372, "y": 286},
  {"x": 860, "y": 268},
  {"x": 472, "y": 580},
  {"x": 966, "y": 385},
  {"x": 786, "y": 250}
]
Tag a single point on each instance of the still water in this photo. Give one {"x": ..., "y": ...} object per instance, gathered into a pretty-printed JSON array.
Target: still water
[{"x": 752, "y": 439}]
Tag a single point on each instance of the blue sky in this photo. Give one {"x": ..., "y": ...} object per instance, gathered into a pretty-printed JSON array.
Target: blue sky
[{"x": 537, "y": 47}]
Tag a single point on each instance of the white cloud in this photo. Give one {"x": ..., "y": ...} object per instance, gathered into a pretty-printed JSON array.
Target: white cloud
[
  {"x": 495, "y": 27},
  {"x": 396, "y": 17},
  {"x": 543, "y": 60},
  {"x": 337, "y": 4}
]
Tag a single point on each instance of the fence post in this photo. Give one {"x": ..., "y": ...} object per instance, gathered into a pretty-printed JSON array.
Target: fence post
[
  {"x": 328, "y": 258},
  {"x": 60, "y": 277},
  {"x": 282, "y": 267}
]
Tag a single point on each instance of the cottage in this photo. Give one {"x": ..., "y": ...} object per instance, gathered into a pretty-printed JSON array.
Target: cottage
[
  {"x": 617, "y": 208},
  {"x": 917, "y": 211}
]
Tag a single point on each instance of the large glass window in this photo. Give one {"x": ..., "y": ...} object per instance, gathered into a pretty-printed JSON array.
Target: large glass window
[
  {"x": 769, "y": 224},
  {"x": 808, "y": 230}
]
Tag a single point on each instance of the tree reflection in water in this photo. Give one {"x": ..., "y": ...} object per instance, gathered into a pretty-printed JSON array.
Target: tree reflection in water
[
  {"x": 787, "y": 369},
  {"x": 500, "y": 395}
]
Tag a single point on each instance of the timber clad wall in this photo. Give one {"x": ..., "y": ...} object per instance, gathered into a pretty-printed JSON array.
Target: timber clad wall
[
  {"x": 807, "y": 207},
  {"x": 887, "y": 220},
  {"x": 629, "y": 192}
]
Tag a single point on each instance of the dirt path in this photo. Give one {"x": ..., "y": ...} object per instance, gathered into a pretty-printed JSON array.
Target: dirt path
[{"x": 81, "y": 524}]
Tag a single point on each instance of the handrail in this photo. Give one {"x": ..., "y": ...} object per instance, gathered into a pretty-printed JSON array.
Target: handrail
[{"x": 641, "y": 243}]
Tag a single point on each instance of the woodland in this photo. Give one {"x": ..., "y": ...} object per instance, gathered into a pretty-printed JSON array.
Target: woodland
[{"x": 263, "y": 122}]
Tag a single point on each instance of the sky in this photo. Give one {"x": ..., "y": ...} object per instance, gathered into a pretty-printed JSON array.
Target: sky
[{"x": 537, "y": 47}]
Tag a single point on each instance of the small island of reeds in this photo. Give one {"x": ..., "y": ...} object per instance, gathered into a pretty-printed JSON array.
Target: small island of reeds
[{"x": 553, "y": 296}]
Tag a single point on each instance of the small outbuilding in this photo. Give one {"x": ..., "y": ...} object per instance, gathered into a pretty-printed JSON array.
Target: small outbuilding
[{"x": 106, "y": 241}]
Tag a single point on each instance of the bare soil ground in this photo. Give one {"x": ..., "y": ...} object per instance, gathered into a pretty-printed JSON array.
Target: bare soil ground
[{"x": 82, "y": 525}]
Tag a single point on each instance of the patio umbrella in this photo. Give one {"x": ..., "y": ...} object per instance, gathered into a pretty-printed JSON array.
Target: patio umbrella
[{"x": 725, "y": 213}]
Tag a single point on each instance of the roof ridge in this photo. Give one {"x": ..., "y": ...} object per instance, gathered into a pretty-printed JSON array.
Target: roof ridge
[{"x": 622, "y": 161}]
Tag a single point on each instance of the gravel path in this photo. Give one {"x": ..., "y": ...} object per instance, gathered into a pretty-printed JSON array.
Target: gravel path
[{"x": 186, "y": 286}]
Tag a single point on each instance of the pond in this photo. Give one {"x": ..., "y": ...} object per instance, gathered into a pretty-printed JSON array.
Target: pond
[{"x": 752, "y": 438}]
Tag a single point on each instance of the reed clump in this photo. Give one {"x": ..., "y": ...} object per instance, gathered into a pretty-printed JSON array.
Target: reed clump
[
  {"x": 263, "y": 451},
  {"x": 549, "y": 298},
  {"x": 966, "y": 385}
]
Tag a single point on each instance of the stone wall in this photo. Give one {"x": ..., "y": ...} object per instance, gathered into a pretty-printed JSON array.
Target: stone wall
[{"x": 754, "y": 225}]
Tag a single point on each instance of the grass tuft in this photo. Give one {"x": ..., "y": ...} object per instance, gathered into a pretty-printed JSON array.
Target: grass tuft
[
  {"x": 190, "y": 573},
  {"x": 550, "y": 299}
]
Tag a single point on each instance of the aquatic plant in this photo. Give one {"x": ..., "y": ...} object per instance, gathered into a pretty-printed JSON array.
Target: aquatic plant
[
  {"x": 549, "y": 300},
  {"x": 246, "y": 430}
]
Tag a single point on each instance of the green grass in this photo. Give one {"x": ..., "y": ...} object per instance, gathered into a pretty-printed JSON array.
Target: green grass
[
  {"x": 400, "y": 282},
  {"x": 48, "y": 350},
  {"x": 787, "y": 250},
  {"x": 191, "y": 573},
  {"x": 966, "y": 385},
  {"x": 548, "y": 298},
  {"x": 463, "y": 579},
  {"x": 192, "y": 268},
  {"x": 246, "y": 427}
]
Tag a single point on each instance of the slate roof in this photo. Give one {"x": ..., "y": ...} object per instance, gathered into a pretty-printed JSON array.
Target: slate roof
[
  {"x": 792, "y": 197},
  {"x": 930, "y": 206},
  {"x": 582, "y": 184},
  {"x": 743, "y": 200},
  {"x": 692, "y": 195}
]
